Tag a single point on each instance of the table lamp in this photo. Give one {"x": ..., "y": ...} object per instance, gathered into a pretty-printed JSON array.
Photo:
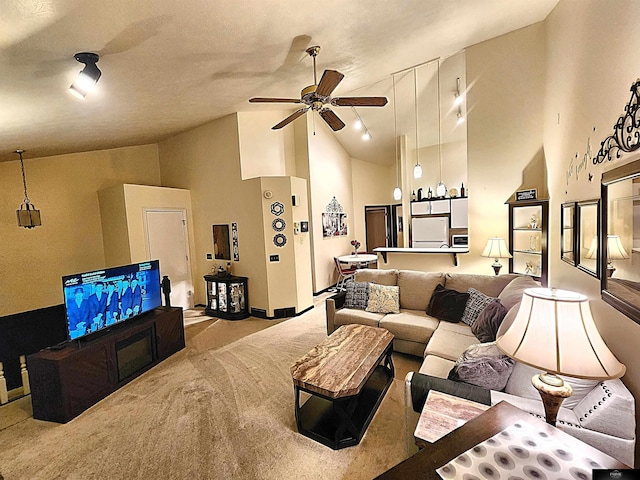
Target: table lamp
[
  {"x": 496, "y": 248},
  {"x": 554, "y": 331},
  {"x": 615, "y": 251}
]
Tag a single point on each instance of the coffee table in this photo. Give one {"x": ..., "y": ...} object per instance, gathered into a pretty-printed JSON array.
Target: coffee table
[
  {"x": 423, "y": 465},
  {"x": 347, "y": 376}
]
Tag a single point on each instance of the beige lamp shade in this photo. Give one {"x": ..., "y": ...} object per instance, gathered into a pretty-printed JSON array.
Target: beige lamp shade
[
  {"x": 496, "y": 248},
  {"x": 554, "y": 331},
  {"x": 615, "y": 250},
  {"x": 593, "y": 249}
]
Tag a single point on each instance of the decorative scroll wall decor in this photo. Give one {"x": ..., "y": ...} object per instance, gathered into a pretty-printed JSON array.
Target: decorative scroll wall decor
[
  {"x": 334, "y": 221},
  {"x": 626, "y": 131}
]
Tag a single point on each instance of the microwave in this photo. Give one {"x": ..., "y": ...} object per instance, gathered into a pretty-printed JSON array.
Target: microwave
[{"x": 459, "y": 240}]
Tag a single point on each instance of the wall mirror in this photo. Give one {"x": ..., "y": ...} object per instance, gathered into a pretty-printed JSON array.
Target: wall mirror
[
  {"x": 221, "y": 247},
  {"x": 568, "y": 232},
  {"x": 588, "y": 251},
  {"x": 620, "y": 242}
]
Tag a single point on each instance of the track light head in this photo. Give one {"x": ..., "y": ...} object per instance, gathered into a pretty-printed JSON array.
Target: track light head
[{"x": 88, "y": 77}]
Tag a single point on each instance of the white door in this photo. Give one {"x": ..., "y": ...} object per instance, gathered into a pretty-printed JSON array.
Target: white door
[{"x": 167, "y": 241}]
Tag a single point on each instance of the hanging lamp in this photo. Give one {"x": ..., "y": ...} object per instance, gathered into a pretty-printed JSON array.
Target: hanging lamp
[
  {"x": 417, "y": 169},
  {"x": 28, "y": 216},
  {"x": 441, "y": 188},
  {"x": 397, "y": 192}
]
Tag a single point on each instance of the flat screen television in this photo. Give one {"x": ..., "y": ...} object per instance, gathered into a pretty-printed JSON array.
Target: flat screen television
[{"x": 102, "y": 298}]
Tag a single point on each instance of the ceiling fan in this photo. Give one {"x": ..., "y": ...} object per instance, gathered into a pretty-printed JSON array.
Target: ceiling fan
[{"x": 318, "y": 95}]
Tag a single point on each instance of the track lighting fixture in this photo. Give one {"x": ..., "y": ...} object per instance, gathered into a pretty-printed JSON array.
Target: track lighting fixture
[
  {"x": 88, "y": 77},
  {"x": 458, "y": 95},
  {"x": 359, "y": 125},
  {"x": 28, "y": 216}
]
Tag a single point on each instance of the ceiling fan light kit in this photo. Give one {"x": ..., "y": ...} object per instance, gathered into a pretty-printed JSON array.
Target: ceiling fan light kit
[
  {"x": 88, "y": 77},
  {"x": 316, "y": 97}
]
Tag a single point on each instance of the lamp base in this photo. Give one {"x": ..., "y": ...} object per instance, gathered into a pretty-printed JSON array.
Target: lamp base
[
  {"x": 496, "y": 266},
  {"x": 610, "y": 270},
  {"x": 553, "y": 391}
]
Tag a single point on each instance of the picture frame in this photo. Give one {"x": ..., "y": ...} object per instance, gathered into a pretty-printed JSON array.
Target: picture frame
[
  {"x": 588, "y": 237},
  {"x": 568, "y": 233},
  {"x": 620, "y": 239}
]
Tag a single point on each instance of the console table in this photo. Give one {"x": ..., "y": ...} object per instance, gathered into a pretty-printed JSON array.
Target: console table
[
  {"x": 423, "y": 465},
  {"x": 67, "y": 381}
]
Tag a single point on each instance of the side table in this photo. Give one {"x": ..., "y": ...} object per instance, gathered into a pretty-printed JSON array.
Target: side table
[
  {"x": 443, "y": 413},
  {"x": 423, "y": 465}
]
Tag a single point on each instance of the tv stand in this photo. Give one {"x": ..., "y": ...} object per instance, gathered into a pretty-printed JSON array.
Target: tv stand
[{"x": 67, "y": 381}]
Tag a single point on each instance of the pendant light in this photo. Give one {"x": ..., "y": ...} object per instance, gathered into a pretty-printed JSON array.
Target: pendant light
[
  {"x": 397, "y": 192},
  {"x": 28, "y": 216},
  {"x": 417, "y": 169},
  {"x": 441, "y": 189}
]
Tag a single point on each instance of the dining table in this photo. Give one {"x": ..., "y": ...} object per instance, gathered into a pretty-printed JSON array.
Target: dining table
[{"x": 359, "y": 259}]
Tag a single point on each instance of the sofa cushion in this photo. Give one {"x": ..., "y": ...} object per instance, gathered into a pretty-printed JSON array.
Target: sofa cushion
[
  {"x": 461, "y": 328},
  {"x": 436, "y": 366},
  {"x": 374, "y": 275},
  {"x": 476, "y": 304},
  {"x": 410, "y": 325},
  {"x": 449, "y": 344},
  {"x": 486, "y": 326},
  {"x": 416, "y": 288},
  {"x": 383, "y": 299},
  {"x": 346, "y": 316},
  {"x": 484, "y": 365},
  {"x": 512, "y": 293},
  {"x": 446, "y": 304},
  {"x": 357, "y": 295},
  {"x": 490, "y": 285},
  {"x": 519, "y": 384}
]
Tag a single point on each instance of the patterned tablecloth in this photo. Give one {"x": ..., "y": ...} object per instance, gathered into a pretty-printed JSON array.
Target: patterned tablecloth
[{"x": 520, "y": 451}]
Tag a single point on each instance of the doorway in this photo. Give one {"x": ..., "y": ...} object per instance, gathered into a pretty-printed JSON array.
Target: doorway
[
  {"x": 167, "y": 241},
  {"x": 376, "y": 219}
]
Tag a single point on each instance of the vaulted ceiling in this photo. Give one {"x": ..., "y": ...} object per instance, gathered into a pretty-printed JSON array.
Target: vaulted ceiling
[{"x": 170, "y": 66}]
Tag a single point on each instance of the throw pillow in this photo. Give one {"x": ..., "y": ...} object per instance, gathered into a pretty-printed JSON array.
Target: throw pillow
[
  {"x": 383, "y": 299},
  {"x": 512, "y": 293},
  {"x": 447, "y": 304},
  {"x": 476, "y": 304},
  {"x": 484, "y": 365},
  {"x": 357, "y": 295},
  {"x": 486, "y": 326}
]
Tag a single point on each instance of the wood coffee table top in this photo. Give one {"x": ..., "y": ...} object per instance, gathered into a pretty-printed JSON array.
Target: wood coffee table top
[{"x": 341, "y": 364}]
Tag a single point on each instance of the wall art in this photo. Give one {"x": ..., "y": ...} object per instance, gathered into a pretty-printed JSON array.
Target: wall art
[
  {"x": 234, "y": 242},
  {"x": 280, "y": 240}
]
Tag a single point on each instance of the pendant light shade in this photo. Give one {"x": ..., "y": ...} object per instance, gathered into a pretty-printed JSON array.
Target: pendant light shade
[
  {"x": 417, "y": 171},
  {"x": 28, "y": 216},
  {"x": 397, "y": 193}
]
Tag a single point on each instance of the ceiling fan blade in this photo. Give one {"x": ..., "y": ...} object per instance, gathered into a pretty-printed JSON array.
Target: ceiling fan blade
[
  {"x": 359, "y": 101},
  {"x": 290, "y": 118},
  {"x": 332, "y": 119},
  {"x": 329, "y": 81},
  {"x": 274, "y": 100}
]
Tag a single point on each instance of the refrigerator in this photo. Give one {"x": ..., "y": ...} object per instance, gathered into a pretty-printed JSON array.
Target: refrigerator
[{"x": 429, "y": 232}]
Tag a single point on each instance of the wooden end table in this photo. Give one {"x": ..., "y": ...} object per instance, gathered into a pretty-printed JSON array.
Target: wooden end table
[
  {"x": 347, "y": 376},
  {"x": 423, "y": 465}
]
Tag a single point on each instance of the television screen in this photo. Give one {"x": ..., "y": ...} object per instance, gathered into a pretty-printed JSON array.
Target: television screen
[{"x": 97, "y": 300}]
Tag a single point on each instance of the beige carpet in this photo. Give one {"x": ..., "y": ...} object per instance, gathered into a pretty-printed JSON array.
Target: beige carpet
[{"x": 208, "y": 413}]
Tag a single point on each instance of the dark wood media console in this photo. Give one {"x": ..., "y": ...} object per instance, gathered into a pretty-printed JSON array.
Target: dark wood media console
[{"x": 66, "y": 382}]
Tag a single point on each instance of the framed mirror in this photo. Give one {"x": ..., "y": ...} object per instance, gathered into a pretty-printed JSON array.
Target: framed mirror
[
  {"x": 568, "y": 232},
  {"x": 221, "y": 247},
  {"x": 620, "y": 242},
  {"x": 588, "y": 238}
]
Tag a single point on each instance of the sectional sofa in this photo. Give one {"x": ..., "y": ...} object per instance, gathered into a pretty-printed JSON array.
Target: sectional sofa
[{"x": 600, "y": 413}]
